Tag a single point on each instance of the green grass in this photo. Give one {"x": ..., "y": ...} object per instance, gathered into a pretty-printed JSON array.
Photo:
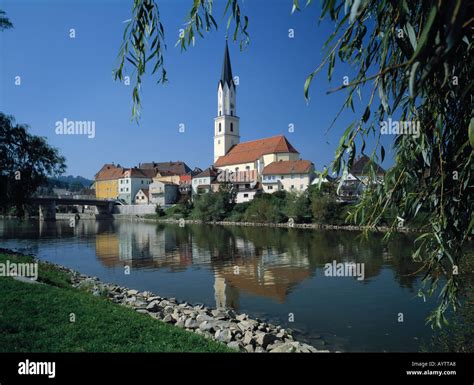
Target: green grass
[
  {"x": 36, "y": 318},
  {"x": 46, "y": 273}
]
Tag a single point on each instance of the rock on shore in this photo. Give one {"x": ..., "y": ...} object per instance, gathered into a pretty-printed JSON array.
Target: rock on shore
[{"x": 237, "y": 331}]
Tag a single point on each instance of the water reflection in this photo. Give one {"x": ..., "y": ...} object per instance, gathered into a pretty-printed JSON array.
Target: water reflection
[
  {"x": 262, "y": 261},
  {"x": 267, "y": 272}
]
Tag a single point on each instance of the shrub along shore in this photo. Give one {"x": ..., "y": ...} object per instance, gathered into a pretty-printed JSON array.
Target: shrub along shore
[
  {"x": 71, "y": 312},
  {"x": 314, "y": 226},
  {"x": 314, "y": 209}
]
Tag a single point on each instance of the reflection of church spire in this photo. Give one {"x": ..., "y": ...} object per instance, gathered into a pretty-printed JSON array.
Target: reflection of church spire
[{"x": 226, "y": 296}]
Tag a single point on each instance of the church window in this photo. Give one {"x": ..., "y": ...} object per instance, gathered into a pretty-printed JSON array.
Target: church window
[
  {"x": 232, "y": 112},
  {"x": 220, "y": 127},
  {"x": 232, "y": 126}
]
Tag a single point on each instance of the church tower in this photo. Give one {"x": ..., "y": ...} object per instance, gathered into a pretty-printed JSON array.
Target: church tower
[{"x": 226, "y": 124}]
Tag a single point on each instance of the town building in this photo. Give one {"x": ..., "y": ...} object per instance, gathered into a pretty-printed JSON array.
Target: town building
[
  {"x": 185, "y": 183},
  {"x": 358, "y": 178},
  {"x": 289, "y": 175},
  {"x": 132, "y": 180},
  {"x": 143, "y": 196},
  {"x": 163, "y": 193},
  {"x": 167, "y": 171},
  {"x": 250, "y": 158},
  {"x": 106, "y": 181},
  {"x": 205, "y": 181}
]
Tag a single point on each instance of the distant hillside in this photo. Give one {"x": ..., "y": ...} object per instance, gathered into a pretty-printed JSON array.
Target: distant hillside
[{"x": 69, "y": 182}]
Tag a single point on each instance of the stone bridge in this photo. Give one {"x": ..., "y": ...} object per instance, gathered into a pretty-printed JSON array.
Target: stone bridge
[{"x": 47, "y": 205}]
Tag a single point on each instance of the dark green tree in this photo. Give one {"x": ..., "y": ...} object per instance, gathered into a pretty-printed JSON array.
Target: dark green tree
[
  {"x": 297, "y": 207},
  {"x": 215, "y": 206},
  {"x": 266, "y": 208},
  {"x": 26, "y": 162}
]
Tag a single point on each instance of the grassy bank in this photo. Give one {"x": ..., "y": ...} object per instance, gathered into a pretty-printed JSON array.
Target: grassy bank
[{"x": 36, "y": 318}]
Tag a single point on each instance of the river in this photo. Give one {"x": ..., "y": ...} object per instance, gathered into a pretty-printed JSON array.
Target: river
[{"x": 276, "y": 274}]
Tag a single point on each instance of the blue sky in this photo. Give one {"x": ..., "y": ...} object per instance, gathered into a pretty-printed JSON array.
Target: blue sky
[{"x": 72, "y": 78}]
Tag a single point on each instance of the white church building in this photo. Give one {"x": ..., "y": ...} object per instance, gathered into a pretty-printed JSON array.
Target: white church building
[{"x": 246, "y": 161}]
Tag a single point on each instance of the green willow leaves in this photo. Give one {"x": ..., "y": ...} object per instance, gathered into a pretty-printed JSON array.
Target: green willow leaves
[
  {"x": 143, "y": 42},
  {"x": 418, "y": 57},
  {"x": 144, "y": 39},
  {"x": 5, "y": 23}
]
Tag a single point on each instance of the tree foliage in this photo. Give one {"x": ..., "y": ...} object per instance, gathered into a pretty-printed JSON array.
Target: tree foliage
[
  {"x": 417, "y": 58},
  {"x": 214, "y": 206},
  {"x": 144, "y": 39},
  {"x": 143, "y": 43},
  {"x": 5, "y": 23},
  {"x": 266, "y": 208},
  {"x": 324, "y": 205},
  {"x": 26, "y": 161}
]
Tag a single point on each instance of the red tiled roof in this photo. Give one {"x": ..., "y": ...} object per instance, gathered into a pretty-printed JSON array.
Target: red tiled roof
[
  {"x": 208, "y": 172},
  {"x": 167, "y": 168},
  {"x": 361, "y": 166},
  {"x": 139, "y": 173},
  {"x": 251, "y": 151},
  {"x": 109, "y": 172},
  {"x": 288, "y": 167},
  {"x": 145, "y": 191}
]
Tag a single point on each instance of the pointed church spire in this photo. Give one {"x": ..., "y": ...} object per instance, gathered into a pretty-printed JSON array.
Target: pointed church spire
[{"x": 226, "y": 76}]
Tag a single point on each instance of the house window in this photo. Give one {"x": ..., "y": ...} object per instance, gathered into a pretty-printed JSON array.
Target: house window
[
  {"x": 247, "y": 168},
  {"x": 236, "y": 169},
  {"x": 282, "y": 177},
  {"x": 292, "y": 186},
  {"x": 301, "y": 187},
  {"x": 219, "y": 141},
  {"x": 270, "y": 187},
  {"x": 246, "y": 195},
  {"x": 232, "y": 127}
]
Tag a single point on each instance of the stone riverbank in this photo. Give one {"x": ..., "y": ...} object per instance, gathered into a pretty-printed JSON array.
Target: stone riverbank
[{"x": 237, "y": 331}]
